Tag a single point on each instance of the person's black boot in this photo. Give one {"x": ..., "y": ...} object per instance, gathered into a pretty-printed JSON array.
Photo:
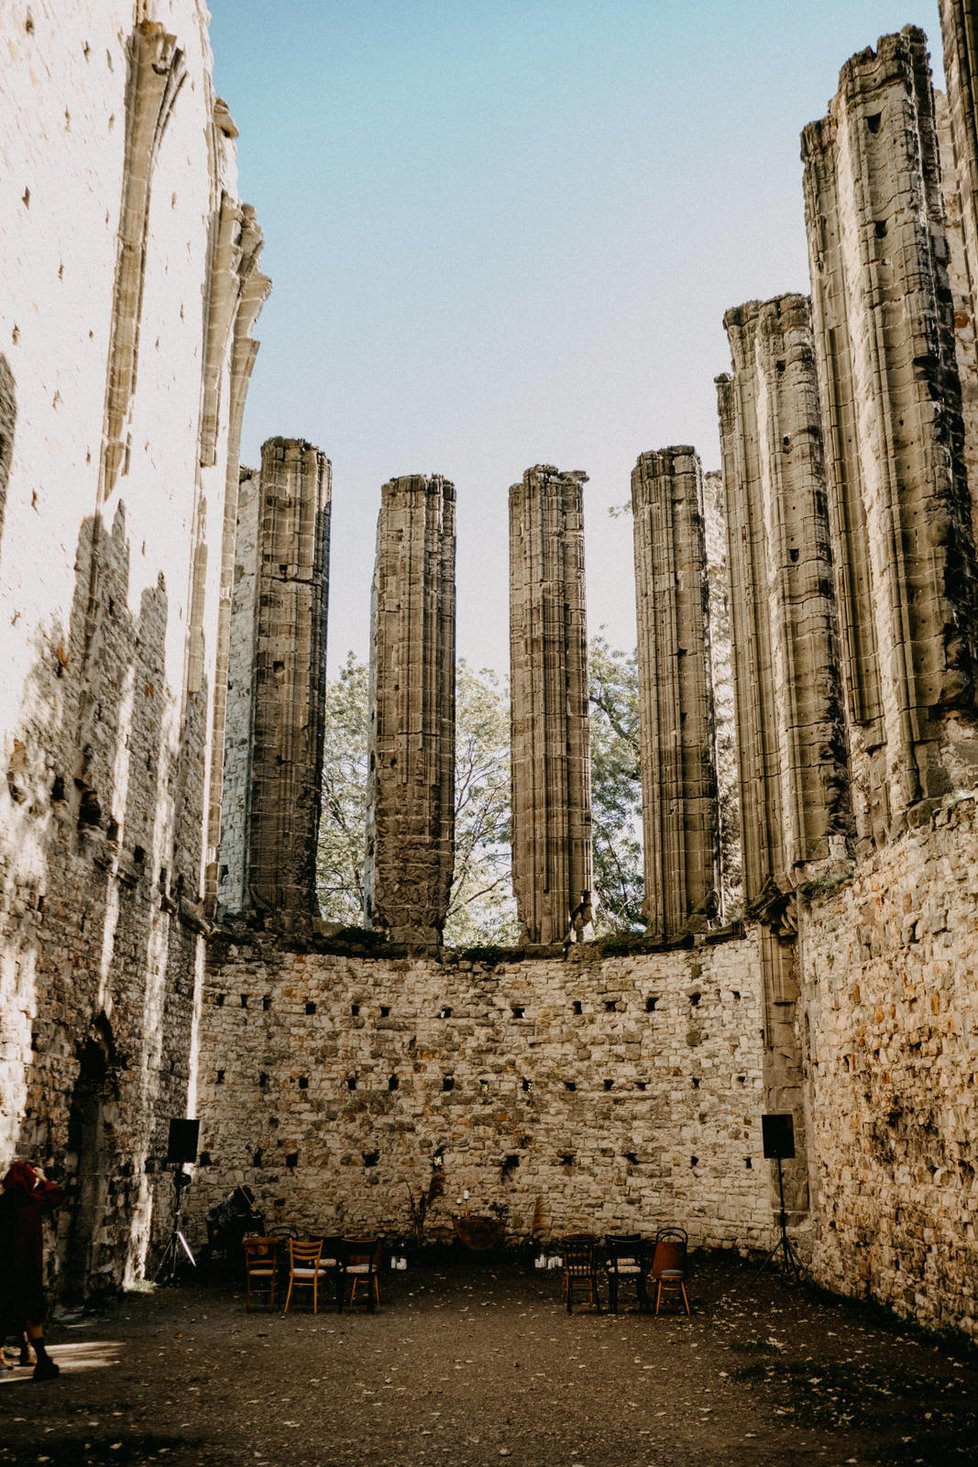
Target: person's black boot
[{"x": 46, "y": 1368}]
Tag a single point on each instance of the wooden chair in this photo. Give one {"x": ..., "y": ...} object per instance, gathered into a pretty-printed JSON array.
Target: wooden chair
[
  {"x": 580, "y": 1275},
  {"x": 305, "y": 1270},
  {"x": 669, "y": 1266},
  {"x": 361, "y": 1270},
  {"x": 261, "y": 1271},
  {"x": 627, "y": 1262}
]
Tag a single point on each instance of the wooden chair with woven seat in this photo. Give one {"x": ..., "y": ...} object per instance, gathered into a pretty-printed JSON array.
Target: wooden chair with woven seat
[
  {"x": 261, "y": 1271},
  {"x": 306, "y": 1270},
  {"x": 361, "y": 1270},
  {"x": 626, "y": 1262},
  {"x": 669, "y": 1267},
  {"x": 579, "y": 1278}
]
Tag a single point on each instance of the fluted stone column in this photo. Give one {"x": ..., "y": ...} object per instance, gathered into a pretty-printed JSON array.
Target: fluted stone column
[
  {"x": 792, "y": 751},
  {"x": 957, "y": 116},
  {"x": 549, "y": 693},
  {"x": 888, "y": 383},
  {"x": 676, "y": 726},
  {"x": 411, "y": 822},
  {"x": 290, "y": 680}
]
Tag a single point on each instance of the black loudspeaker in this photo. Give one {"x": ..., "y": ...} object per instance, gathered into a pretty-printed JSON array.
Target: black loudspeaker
[
  {"x": 779, "y": 1137},
  {"x": 182, "y": 1145}
]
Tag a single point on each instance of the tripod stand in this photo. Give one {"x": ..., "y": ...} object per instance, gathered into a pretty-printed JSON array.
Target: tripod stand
[
  {"x": 790, "y": 1261},
  {"x": 177, "y": 1252}
]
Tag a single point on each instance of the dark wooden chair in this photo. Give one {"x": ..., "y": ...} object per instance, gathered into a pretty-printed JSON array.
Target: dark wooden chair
[
  {"x": 669, "y": 1267},
  {"x": 261, "y": 1271},
  {"x": 579, "y": 1279},
  {"x": 362, "y": 1258},
  {"x": 626, "y": 1262}
]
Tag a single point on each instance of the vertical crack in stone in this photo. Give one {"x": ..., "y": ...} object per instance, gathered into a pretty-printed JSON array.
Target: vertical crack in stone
[
  {"x": 410, "y": 820},
  {"x": 552, "y": 856},
  {"x": 676, "y": 723}
]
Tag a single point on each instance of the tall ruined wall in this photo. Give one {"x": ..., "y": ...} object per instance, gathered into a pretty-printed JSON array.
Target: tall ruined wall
[
  {"x": 117, "y": 337},
  {"x": 793, "y": 758},
  {"x": 232, "y": 890},
  {"x": 888, "y": 382},
  {"x": 959, "y": 32},
  {"x": 289, "y": 681},
  {"x": 891, "y": 1012},
  {"x": 604, "y": 1094},
  {"x": 679, "y": 801},
  {"x": 411, "y": 791},
  {"x": 549, "y": 702}
]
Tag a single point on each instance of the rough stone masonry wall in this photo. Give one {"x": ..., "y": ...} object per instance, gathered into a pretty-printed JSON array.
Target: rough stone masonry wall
[
  {"x": 411, "y": 789},
  {"x": 888, "y": 383},
  {"x": 549, "y": 701},
  {"x": 116, "y": 159},
  {"x": 614, "y": 1094},
  {"x": 891, "y": 1019},
  {"x": 676, "y": 727}
]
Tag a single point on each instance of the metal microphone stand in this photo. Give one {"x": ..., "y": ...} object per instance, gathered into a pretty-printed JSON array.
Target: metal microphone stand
[
  {"x": 178, "y": 1251},
  {"x": 790, "y": 1261}
]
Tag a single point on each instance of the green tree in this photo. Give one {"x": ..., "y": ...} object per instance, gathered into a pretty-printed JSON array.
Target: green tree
[
  {"x": 343, "y": 816},
  {"x": 616, "y": 790}
]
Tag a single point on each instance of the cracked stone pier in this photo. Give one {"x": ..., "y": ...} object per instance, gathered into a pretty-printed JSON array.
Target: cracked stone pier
[
  {"x": 411, "y": 823},
  {"x": 676, "y": 724},
  {"x": 549, "y": 701}
]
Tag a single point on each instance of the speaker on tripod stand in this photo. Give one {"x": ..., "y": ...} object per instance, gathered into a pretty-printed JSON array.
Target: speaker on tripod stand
[
  {"x": 181, "y": 1150},
  {"x": 778, "y": 1136}
]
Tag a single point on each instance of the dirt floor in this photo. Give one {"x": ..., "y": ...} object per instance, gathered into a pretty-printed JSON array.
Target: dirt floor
[{"x": 477, "y": 1362}]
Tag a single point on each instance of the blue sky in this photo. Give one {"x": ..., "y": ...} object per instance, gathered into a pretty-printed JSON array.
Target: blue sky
[{"x": 505, "y": 232}]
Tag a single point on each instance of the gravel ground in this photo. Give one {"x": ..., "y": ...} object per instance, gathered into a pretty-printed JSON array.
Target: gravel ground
[{"x": 477, "y": 1362}]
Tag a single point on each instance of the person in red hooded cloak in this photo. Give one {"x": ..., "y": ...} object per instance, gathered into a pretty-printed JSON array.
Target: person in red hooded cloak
[{"x": 26, "y": 1196}]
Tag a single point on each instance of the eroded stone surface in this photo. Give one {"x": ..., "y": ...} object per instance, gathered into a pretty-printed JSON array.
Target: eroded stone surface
[
  {"x": 677, "y": 734},
  {"x": 549, "y": 700},
  {"x": 411, "y": 791}
]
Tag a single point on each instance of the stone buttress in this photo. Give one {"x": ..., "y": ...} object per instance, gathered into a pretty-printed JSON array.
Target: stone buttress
[
  {"x": 890, "y": 393},
  {"x": 411, "y": 804},
  {"x": 291, "y": 590},
  {"x": 549, "y": 692},
  {"x": 793, "y": 767},
  {"x": 676, "y": 725}
]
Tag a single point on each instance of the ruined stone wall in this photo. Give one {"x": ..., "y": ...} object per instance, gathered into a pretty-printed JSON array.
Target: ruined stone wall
[
  {"x": 679, "y": 795},
  {"x": 411, "y": 791},
  {"x": 891, "y": 1024},
  {"x": 793, "y": 756},
  {"x": 232, "y": 891},
  {"x": 721, "y": 680},
  {"x": 549, "y": 702},
  {"x": 117, "y": 440},
  {"x": 599, "y": 1094},
  {"x": 890, "y": 393}
]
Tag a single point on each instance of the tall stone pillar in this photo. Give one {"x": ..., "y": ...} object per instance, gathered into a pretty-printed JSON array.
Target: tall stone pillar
[
  {"x": 888, "y": 381},
  {"x": 289, "y": 680},
  {"x": 958, "y": 130},
  {"x": 676, "y": 726},
  {"x": 792, "y": 751},
  {"x": 549, "y": 701},
  {"x": 411, "y": 804}
]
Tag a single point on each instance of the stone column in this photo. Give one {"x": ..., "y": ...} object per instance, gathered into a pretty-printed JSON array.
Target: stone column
[
  {"x": 888, "y": 381},
  {"x": 793, "y": 765},
  {"x": 957, "y": 116},
  {"x": 676, "y": 725},
  {"x": 411, "y": 804},
  {"x": 289, "y": 680},
  {"x": 549, "y": 701}
]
